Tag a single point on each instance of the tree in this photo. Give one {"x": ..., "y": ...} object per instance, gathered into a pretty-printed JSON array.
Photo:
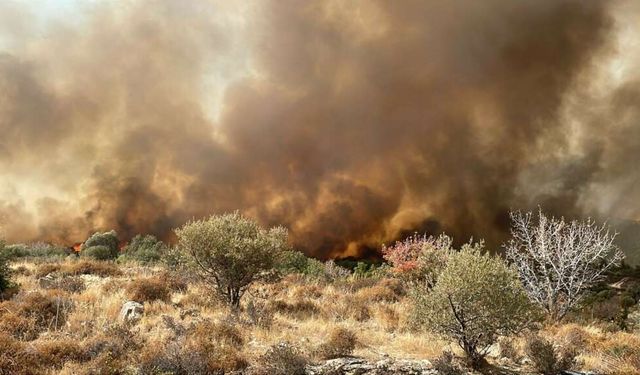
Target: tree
[
  {"x": 476, "y": 299},
  {"x": 419, "y": 259},
  {"x": 557, "y": 261},
  {"x": 231, "y": 251},
  {"x": 102, "y": 245}
]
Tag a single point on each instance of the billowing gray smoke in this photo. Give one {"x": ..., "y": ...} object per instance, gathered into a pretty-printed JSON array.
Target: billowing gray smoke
[{"x": 351, "y": 123}]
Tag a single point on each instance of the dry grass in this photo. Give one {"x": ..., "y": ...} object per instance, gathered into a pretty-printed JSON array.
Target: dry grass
[{"x": 69, "y": 325}]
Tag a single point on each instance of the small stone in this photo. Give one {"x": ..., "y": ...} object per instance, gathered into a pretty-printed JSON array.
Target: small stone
[{"x": 131, "y": 312}]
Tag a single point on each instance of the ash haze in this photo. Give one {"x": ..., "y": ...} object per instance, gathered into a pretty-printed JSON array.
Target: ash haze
[{"x": 350, "y": 123}]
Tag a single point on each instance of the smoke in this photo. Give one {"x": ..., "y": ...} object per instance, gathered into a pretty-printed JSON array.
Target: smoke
[{"x": 351, "y": 123}]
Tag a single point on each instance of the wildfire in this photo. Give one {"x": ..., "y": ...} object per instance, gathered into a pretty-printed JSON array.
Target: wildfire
[{"x": 77, "y": 246}]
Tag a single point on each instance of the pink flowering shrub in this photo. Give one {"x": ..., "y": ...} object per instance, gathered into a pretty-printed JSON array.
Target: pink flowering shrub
[{"x": 419, "y": 258}]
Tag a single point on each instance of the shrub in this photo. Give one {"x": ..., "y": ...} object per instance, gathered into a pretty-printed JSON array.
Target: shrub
[
  {"x": 90, "y": 267},
  {"x": 5, "y": 271},
  {"x": 341, "y": 343},
  {"x": 16, "y": 359},
  {"x": 546, "y": 359},
  {"x": 281, "y": 359},
  {"x": 99, "y": 252},
  {"x": 35, "y": 250},
  {"x": 144, "y": 249},
  {"x": 47, "y": 268},
  {"x": 419, "y": 259},
  {"x": 148, "y": 289},
  {"x": 231, "y": 251},
  {"x": 49, "y": 310},
  {"x": 55, "y": 353},
  {"x": 476, "y": 299},
  {"x": 292, "y": 261},
  {"x": 18, "y": 326},
  {"x": 108, "y": 240}
]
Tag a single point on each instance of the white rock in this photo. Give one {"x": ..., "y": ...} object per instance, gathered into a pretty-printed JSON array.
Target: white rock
[{"x": 131, "y": 312}]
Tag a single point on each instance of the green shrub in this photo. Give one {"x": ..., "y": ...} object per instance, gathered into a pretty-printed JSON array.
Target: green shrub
[
  {"x": 231, "y": 251},
  {"x": 100, "y": 252},
  {"x": 5, "y": 271},
  {"x": 35, "y": 250},
  {"x": 144, "y": 249},
  {"x": 476, "y": 299},
  {"x": 108, "y": 240},
  {"x": 292, "y": 261}
]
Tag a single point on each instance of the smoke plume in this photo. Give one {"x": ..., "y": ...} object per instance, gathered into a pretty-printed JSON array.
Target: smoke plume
[{"x": 350, "y": 123}]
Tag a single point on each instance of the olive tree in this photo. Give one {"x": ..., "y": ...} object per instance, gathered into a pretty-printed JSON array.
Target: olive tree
[
  {"x": 231, "y": 251},
  {"x": 476, "y": 299},
  {"x": 558, "y": 260}
]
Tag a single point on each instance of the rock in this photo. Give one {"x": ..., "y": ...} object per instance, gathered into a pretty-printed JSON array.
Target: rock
[
  {"x": 359, "y": 366},
  {"x": 47, "y": 282},
  {"x": 131, "y": 312}
]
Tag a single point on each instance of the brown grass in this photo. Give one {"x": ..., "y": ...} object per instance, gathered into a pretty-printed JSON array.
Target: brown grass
[{"x": 148, "y": 290}]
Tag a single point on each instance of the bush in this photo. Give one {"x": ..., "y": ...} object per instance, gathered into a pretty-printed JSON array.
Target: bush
[
  {"x": 546, "y": 359},
  {"x": 49, "y": 310},
  {"x": 5, "y": 271},
  {"x": 35, "y": 250},
  {"x": 108, "y": 240},
  {"x": 341, "y": 343},
  {"x": 231, "y": 251},
  {"x": 281, "y": 359},
  {"x": 148, "y": 289},
  {"x": 70, "y": 284},
  {"x": 100, "y": 252},
  {"x": 292, "y": 261},
  {"x": 419, "y": 259},
  {"x": 90, "y": 267},
  {"x": 144, "y": 249},
  {"x": 476, "y": 299}
]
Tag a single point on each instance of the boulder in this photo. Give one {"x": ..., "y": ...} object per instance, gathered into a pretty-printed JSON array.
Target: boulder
[{"x": 131, "y": 312}]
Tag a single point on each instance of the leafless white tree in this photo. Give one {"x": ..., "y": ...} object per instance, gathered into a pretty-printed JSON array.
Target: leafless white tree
[{"x": 558, "y": 260}]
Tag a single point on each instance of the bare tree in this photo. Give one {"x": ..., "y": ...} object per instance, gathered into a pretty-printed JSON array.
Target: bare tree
[{"x": 558, "y": 260}]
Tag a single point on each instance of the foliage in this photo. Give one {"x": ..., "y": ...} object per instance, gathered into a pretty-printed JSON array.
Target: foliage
[
  {"x": 557, "y": 261},
  {"x": 5, "y": 271},
  {"x": 476, "y": 299},
  {"x": 546, "y": 359},
  {"x": 419, "y": 259},
  {"x": 35, "y": 250},
  {"x": 144, "y": 249},
  {"x": 292, "y": 261},
  {"x": 106, "y": 242},
  {"x": 231, "y": 251},
  {"x": 99, "y": 252}
]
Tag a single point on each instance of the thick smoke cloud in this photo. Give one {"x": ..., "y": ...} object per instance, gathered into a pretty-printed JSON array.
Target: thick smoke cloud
[{"x": 351, "y": 123}]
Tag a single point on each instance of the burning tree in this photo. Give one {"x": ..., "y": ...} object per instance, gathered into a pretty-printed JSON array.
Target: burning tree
[
  {"x": 558, "y": 260},
  {"x": 231, "y": 251}
]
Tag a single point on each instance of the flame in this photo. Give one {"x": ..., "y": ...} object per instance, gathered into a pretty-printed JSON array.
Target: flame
[{"x": 77, "y": 246}]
